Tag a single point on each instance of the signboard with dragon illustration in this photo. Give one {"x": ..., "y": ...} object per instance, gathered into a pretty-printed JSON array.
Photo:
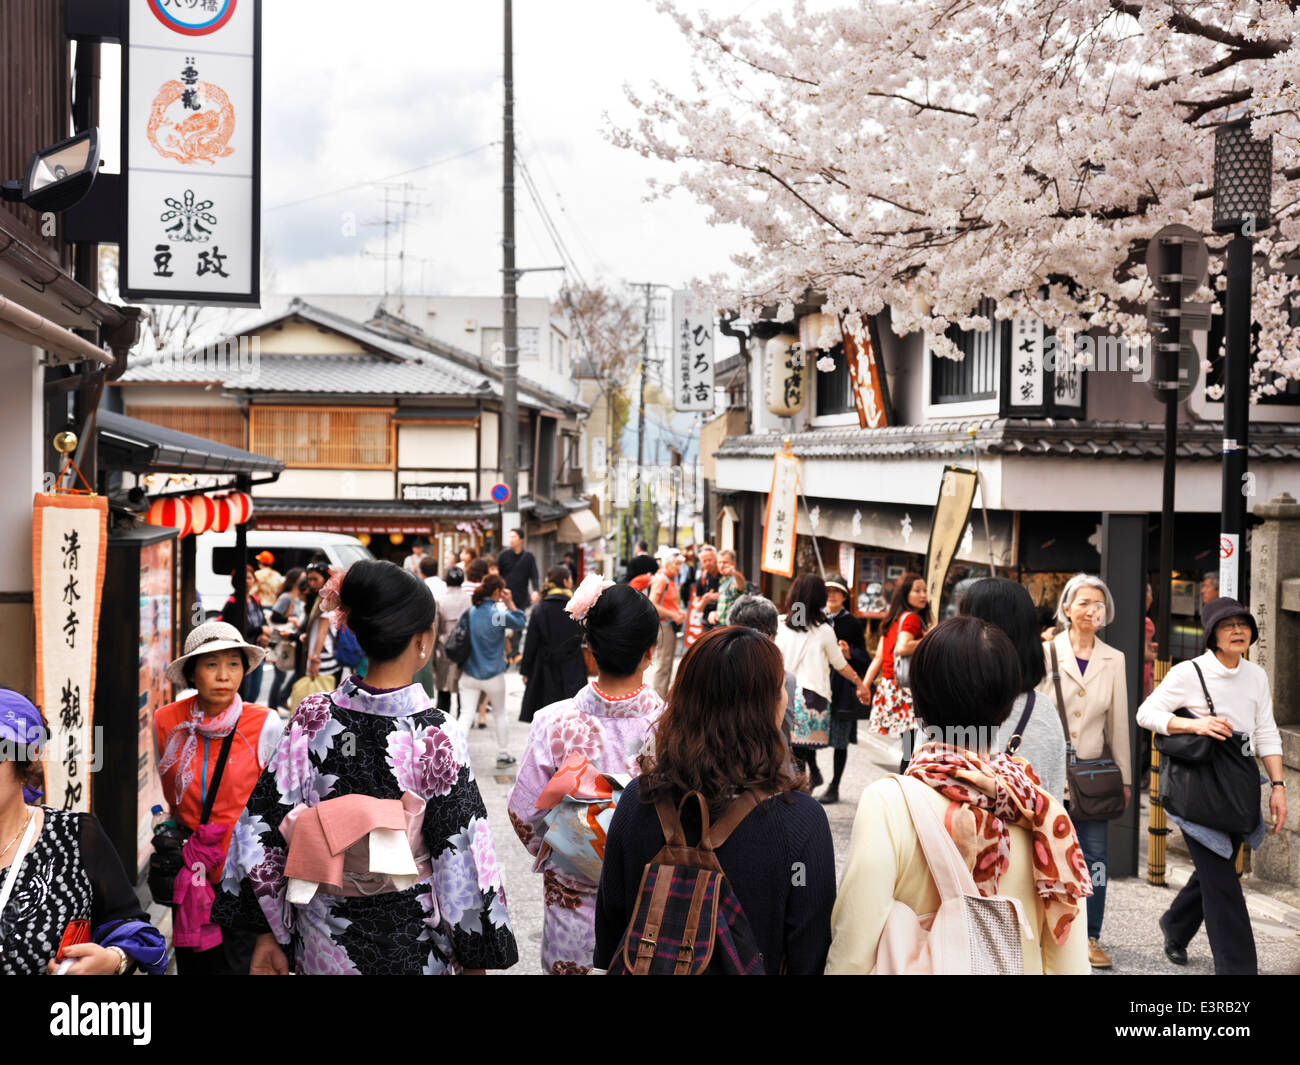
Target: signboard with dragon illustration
[{"x": 191, "y": 151}]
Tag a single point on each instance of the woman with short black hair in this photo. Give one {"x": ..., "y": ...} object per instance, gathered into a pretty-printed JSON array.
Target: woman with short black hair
[
  {"x": 553, "y": 667},
  {"x": 1016, "y": 840},
  {"x": 371, "y": 755},
  {"x": 720, "y": 736},
  {"x": 604, "y": 725},
  {"x": 1031, "y": 731}
]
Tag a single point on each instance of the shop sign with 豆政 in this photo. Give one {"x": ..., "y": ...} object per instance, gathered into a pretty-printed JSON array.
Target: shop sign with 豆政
[{"x": 191, "y": 151}]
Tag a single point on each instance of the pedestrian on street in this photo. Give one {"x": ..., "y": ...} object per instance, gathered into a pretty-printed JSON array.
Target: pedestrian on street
[
  {"x": 851, "y": 636},
  {"x": 810, "y": 651},
  {"x": 244, "y": 612},
  {"x": 371, "y": 762},
  {"x": 641, "y": 563},
  {"x": 705, "y": 589},
  {"x": 57, "y": 867},
  {"x": 1094, "y": 701},
  {"x": 759, "y": 613},
  {"x": 1015, "y": 839},
  {"x": 266, "y": 581},
  {"x": 662, "y": 593},
  {"x": 553, "y": 666},
  {"x": 519, "y": 570},
  {"x": 492, "y": 611},
  {"x": 412, "y": 561},
  {"x": 1242, "y": 703},
  {"x": 214, "y": 727},
  {"x": 318, "y": 637},
  {"x": 466, "y": 556},
  {"x": 1039, "y": 739},
  {"x": 606, "y": 723},
  {"x": 903, "y": 626},
  {"x": 730, "y": 588},
  {"x": 288, "y": 612},
  {"x": 446, "y": 673},
  {"x": 429, "y": 574},
  {"x": 720, "y": 736}
]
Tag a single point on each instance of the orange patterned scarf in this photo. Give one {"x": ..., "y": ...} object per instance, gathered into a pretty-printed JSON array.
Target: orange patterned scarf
[{"x": 990, "y": 794}]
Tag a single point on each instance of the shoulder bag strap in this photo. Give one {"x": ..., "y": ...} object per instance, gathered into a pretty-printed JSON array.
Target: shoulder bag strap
[
  {"x": 216, "y": 773},
  {"x": 11, "y": 874},
  {"x": 1060, "y": 696},
  {"x": 1208, "y": 701},
  {"x": 1018, "y": 735},
  {"x": 949, "y": 871}
]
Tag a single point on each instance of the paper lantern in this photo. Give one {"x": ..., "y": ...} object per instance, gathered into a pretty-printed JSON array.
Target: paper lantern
[
  {"x": 363, "y": 539},
  {"x": 786, "y": 380},
  {"x": 172, "y": 513},
  {"x": 241, "y": 507},
  {"x": 818, "y": 332},
  {"x": 221, "y": 519},
  {"x": 203, "y": 512},
  {"x": 395, "y": 538}
]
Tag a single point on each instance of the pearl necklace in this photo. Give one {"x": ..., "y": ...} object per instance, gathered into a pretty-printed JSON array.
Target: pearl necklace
[{"x": 18, "y": 833}]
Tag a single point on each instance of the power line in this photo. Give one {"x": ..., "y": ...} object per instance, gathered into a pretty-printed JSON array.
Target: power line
[
  {"x": 548, "y": 221},
  {"x": 559, "y": 199}
]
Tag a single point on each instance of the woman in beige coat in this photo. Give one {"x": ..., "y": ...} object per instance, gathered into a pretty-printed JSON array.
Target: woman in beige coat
[{"x": 1094, "y": 699}]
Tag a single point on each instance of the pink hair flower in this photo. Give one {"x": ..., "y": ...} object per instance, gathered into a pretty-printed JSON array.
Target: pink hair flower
[{"x": 586, "y": 594}]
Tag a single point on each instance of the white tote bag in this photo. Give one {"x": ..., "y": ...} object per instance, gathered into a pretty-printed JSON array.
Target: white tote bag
[{"x": 968, "y": 934}]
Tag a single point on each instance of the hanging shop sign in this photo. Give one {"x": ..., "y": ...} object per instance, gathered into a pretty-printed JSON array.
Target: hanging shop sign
[
  {"x": 781, "y": 517},
  {"x": 438, "y": 492},
  {"x": 191, "y": 151},
  {"x": 948, "y": 527},
  {"x": 693, "y": 352},
  {"x": 787, "y": 382},
  {"x": 867, "y": 378},
  {"x": 1042, "y": 377},
  {"x": 69, "y": 540}
]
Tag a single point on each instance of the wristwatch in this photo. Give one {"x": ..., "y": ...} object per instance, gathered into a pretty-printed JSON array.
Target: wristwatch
[
  {"x": 122, "y": 965},
  {"x": 1279, "y": 784}
]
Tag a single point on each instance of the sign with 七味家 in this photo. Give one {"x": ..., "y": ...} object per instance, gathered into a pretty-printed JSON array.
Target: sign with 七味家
[
  {"x": 692, "y": 352},
  {"x": 191, "y": 151}
]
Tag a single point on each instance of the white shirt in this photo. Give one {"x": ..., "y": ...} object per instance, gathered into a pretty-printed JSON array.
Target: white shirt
[
  {"x": 1241, "y": 695},
  {"x": 412, "y": 563},
  {"x": 437, "y": 586},
  {"x": 810, "y": 655}
]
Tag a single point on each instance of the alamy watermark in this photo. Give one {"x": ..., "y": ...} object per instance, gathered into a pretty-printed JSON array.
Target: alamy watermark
[
  {"x": 1103, "y": 354},
  {"x": 222, "y": 359}
]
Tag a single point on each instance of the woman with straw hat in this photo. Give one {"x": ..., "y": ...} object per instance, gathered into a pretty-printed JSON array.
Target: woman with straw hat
[{"x": 212, "y": 747}]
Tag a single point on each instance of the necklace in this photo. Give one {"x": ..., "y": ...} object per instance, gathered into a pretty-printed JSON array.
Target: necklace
[
  {"x": 18, "y": 833},
  {"x": 613, "y": 698}
]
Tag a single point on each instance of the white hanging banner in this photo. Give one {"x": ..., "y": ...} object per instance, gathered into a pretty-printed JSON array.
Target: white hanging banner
[
  {"x": 191, "y": 151},
  {"x": 1026, "y": 362},
  {"x": 69, "y": 541},
  {"x": 692, "y": 352},
  {"x": 781, "y": 516}
]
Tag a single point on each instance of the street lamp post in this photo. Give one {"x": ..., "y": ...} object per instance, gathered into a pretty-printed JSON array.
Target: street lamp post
[{"x": 1243, "y": 187}]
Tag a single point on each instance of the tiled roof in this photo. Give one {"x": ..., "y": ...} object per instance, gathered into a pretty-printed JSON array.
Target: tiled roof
[
  {"x": 130, "y": 444},
  {"x": 1017, "y": 436}
]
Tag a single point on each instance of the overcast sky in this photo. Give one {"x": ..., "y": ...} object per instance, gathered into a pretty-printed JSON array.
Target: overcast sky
[{"x": 354, "y": 95}]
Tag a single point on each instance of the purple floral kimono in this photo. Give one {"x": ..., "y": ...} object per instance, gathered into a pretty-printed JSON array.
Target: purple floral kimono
[
  {"x": 610, "y": 735},
  {"x": 359, "y": 741}
]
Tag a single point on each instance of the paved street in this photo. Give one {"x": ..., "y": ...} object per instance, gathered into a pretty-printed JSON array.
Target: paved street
[{"x": 1132, "y": 906}]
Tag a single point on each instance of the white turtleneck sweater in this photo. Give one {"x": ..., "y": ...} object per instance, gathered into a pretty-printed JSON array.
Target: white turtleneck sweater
[{"x": 1241, "y": 695}]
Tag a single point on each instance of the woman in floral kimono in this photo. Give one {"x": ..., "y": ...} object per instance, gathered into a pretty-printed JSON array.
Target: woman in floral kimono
[
  {"x": 440, "y": 908},
  {"x": 607, "y": 722}
]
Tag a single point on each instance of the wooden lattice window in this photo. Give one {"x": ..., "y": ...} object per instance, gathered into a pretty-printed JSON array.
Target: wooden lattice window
[
  {"x": 359, "y": 438},
  {"x": 223, "y": 425}
]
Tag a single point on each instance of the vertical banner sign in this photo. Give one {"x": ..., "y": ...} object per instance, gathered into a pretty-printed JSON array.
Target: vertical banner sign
[
  {"x": 1067, "y": 379},
  {"x": 191, "y": 151},
  {"x": 781, "y": 516},
  {"x": 1026, "y": 362},
  {"x": 956, "y": 494},
  {"x": 864, "y": 378},
  {"x": 692, "y": 353},
  {"x": 155, "y": 652},
  {"x": 69, "y": 540}
]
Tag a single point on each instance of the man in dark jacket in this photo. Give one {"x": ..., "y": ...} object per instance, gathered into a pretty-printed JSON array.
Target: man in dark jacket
[
  {"x": 641, "y": 562},
  {"x": 553, "y": 667},
  {"x": 850, "y": 632},
  {"x": 518, "y": 569}
]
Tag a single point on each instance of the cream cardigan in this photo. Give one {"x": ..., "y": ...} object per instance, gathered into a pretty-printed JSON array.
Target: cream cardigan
[{"x": 885, "y": 864}]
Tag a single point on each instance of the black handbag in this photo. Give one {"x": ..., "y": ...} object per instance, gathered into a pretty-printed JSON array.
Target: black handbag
[
  {"x": 1096, "y": 784},
  {"x": 457, "y": 646},
  {"x": 1207, "y": 781},
  {"x": 165, "y": 863}
]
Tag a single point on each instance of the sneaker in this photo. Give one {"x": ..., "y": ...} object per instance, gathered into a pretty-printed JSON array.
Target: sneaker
[
  {"x": 506, "y": 759},
  {"x": 1097, "y": 957}
]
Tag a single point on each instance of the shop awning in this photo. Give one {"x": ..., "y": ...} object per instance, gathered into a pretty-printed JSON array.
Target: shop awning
[
  {"x": 374, "y": 516},
  {"x": 580, "y": 527},
  {"x": 142, "y": 447}
]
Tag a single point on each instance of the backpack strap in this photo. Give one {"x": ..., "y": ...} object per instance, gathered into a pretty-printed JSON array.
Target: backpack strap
[{"x": 741, "y": 807}]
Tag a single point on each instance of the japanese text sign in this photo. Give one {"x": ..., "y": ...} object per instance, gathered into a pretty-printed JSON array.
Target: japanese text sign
[
  {"x": 692, "y": 360},
  {"x": 781, "y": 516}
]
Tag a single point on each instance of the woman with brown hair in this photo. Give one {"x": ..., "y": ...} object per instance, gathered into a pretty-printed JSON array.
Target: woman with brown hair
[
  {"x": 721, "y": 736},
  {"x": 903, "y": 627},
  {"x": 491, "y": 612}
]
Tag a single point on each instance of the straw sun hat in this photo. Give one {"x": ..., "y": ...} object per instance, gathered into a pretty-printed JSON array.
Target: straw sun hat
[{"x": 210, "y": 637}]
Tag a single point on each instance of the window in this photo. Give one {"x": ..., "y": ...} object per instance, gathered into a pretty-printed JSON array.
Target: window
[
  {"x": 975, "y": 377},
  {"x": 834, "y": 389},
  {"x": 224, "y": 425},
  {"x": 359, "y": 438}
]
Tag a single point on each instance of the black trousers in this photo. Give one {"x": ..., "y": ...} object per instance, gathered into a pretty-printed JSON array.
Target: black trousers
[
  {"x": 231, "y": 957},
  {"x": 1213, "y": 894}
]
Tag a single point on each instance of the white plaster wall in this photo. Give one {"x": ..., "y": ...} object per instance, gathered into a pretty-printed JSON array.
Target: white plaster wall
[
  {"x": 22, "y": 430},
  {"x": 436, "y": 446}
]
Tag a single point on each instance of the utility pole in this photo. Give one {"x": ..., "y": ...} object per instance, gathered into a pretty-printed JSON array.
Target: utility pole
[
  {"x": 509, "y": 298},
  {"x": 640, "y": 417}
]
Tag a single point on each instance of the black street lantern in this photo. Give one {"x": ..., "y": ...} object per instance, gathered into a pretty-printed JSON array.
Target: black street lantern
[{"x": 1243, "y": 189}]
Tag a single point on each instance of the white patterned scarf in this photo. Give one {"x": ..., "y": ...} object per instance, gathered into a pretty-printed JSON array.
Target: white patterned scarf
[{"x": 183, "y": 741}]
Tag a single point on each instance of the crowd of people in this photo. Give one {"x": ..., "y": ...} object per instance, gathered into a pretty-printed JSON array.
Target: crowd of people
[{"x": 352, "y": 838}]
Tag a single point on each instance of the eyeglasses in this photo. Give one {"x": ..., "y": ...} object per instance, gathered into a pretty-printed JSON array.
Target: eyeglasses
[{"x": 1233, "y": 624}]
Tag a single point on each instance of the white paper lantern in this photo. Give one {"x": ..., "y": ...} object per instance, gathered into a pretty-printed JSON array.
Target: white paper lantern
[{"x": 818, "y": 332}]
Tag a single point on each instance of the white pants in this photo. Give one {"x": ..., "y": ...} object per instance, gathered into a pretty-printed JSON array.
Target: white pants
[{"x": 495, "y": 688}]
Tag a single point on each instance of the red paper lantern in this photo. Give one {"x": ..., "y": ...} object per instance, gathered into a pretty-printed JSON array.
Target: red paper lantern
[
  {"x": 203, "y": 512},
  {"x": 221, "y": 519},
  {"x": 241, "y": 507},
  {"x": 172, "y": 512}
]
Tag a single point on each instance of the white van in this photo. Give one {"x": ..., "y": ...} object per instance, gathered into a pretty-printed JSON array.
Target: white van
[{"x": 215, "y": 558}]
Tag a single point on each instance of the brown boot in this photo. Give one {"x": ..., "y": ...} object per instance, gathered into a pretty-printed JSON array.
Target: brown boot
[{"x": 1097, "y": 957}]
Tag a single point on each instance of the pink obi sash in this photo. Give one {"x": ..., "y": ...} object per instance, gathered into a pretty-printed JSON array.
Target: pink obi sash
[{"x": 355, "y": 845}]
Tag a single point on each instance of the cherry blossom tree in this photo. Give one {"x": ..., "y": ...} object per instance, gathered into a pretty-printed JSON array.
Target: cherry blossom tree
[{"x": 926, "y": 153}]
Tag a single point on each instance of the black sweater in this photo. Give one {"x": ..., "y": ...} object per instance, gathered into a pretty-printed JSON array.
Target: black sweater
[{"x": 780, "y": 862}]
